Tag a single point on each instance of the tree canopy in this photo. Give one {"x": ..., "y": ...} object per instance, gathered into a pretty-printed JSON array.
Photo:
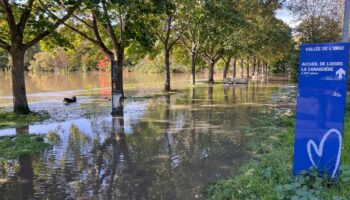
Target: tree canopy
[{"x": 134, "y": 32}]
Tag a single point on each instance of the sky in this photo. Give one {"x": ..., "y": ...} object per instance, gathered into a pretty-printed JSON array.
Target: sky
[{"x": 285, "y": 15}]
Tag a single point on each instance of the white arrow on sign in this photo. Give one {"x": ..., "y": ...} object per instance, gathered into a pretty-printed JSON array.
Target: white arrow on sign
[{"x": 340, "y": 73}]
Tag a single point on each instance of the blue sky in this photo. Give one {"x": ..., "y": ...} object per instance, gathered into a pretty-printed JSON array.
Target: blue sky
[{"x": 285, "y": 15}]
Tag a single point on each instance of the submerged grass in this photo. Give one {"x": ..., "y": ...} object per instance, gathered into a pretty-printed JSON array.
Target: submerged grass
[
  {"x": 12, "y": 147},
  {"x": 269, "y": 176},
  {"x": 155, "y": 96},
  {"x": 8, "y": 120}
]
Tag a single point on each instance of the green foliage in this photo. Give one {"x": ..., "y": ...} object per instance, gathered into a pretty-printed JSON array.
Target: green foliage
[
  {"x": 43, "y": 61},
  {"x": 14, "y": 120},
  {"x": 293, "y": 65},
  {"x": 317, "y": 24},
  {"x": 311, "y": 185},
  {"x": 221, "y": 29},
  {"x": 319, "y": 29},
  {"x": 37, "y": 21},
  {"x": 216, "y": 27},
  {"x": 29, "y": 56},
  {"x": 156, "y": 65},
  {"x": 81, "y": 58},
  {"x": 53, "y": 138},
  {"x": 12, "y": 147},
  {"x": 4, "y": 60},
  {"x": 269, "y": 176}
]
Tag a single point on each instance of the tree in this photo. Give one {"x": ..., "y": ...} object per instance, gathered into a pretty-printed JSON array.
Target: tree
[
  {"x": 222, "y": 20},
  {"x": 309, "y": 9},
  {"x": 24, "y": 24},
  {"x": 266, "y": 38},
  {"x": 319, "y": 30},
  {"x": 168, "y": 28},
  {"x": 43, "y": 61},
  {"x": 191, "y": 37},
  {"x": 233, "y": 46},
  {"x": 320, "y": 20},
  {"x": 111, "y": 25}
]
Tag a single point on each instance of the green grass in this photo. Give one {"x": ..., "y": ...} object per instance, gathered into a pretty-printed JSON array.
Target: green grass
[
  {"x": 12, "y": 147},
  {"x": 8, "y": 120},
  {"x": 269, "y": 175}
]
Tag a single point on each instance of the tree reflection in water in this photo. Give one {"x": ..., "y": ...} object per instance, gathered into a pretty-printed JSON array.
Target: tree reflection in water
[
  {"x": 25, "y": 173},
  {"x": 172, "y": 150},
  {"x": 19, "y": 176}
]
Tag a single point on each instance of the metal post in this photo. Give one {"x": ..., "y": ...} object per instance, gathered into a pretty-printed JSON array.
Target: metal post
[{"x": 345, "y": 37}]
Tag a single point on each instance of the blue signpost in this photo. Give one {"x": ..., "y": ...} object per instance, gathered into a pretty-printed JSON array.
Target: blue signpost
[{"x": 323, "y": 73}]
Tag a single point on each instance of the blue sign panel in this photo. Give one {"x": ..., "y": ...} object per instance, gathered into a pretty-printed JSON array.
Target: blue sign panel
[{"x": 323, "y": 73}]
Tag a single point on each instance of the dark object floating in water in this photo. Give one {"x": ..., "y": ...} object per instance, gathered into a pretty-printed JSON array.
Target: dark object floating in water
[{"x": 68, "y": 100}]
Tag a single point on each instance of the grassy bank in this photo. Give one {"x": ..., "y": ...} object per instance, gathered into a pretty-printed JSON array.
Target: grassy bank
[
  {"x": 8, "y": 120},
  {"x": 269, "y": 175}
]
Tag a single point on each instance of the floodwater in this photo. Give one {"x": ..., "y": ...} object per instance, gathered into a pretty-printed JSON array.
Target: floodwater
[
  {"x": 57, "y": 86},
  {"x": 167, "y": 147}
]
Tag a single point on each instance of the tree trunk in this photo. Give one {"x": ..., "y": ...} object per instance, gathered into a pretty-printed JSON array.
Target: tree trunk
[
  {"x": 234, "y": 67},
  {"x": 210, "y": 95},
  {"x": 211, "y": 72},
  {"x": 20, "y": 102},
  {"x": 254, "y": 66},
  {"x": 120, "y": 66},
  {"x": 248, "y": 67},
  {"x": 242, "y": 63},
  {"x": 167, "y": 69},
  {"x": 193, "y": 65},
  {"x": 258, "y": 68},
  {"x": 117, "y": 62},
  {"x": 227, "y": 63}
]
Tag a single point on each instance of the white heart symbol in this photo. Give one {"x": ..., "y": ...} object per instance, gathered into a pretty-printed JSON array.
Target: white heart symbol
[{"x": 319, "y": 150}]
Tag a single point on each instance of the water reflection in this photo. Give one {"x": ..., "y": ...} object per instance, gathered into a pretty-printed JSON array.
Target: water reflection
[
  {"x": 18, "y": 176},
  {"x": 25, "y": 175},
  {"x": 171, "y": 149},
  {"x": 53, "y": 86}
]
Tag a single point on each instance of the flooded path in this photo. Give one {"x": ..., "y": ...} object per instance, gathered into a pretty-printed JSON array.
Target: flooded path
[{"x": 169, "y": 147}]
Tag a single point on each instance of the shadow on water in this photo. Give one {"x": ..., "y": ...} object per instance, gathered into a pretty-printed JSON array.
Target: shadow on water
[
  {"x": 21, "y": 184},
  {"x": 172, "y": 148},
  {"x": 25, "y": 174}
]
